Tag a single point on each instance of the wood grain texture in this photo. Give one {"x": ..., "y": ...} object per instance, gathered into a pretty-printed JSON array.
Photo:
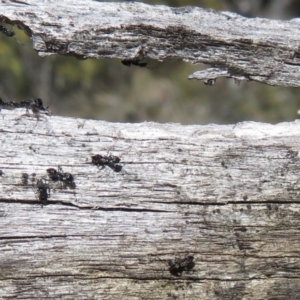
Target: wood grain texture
[
  {"x": 256, "y": 49},
  {"x": 228, "y": 195}
]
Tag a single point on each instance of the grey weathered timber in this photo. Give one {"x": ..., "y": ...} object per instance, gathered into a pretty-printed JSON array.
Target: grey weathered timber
[
  {"x": 256, "y": 49},
  {"x": 228, "y": 195}
]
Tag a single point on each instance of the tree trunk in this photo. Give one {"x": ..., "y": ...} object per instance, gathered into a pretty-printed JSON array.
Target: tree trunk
[
  {"x": 257, "y": 49},
  {"x": 226, "y": 195}
]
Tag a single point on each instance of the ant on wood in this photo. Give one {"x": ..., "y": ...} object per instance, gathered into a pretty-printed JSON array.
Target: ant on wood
[
  {"x": 110, "y": 161},
  {"x": 42, "y": 188},
  {"x": 43, "y": 191},
  {"x": 59, "y": 175},
  {"x": 137, "y": 61},
  {"x": 2, "y": 103},
  {"x": 134, "y": 62},
  {"x": 35, "y": 104},
  {"x": 12, "y": 104},
  {"x": 24, "y": 178},
  {"x": 178, "y": 265}
]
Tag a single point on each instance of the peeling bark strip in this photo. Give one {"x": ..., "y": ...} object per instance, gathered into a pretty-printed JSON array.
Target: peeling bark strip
[
  {"x": 262, "y": 50},
  {"x": 226, "y": 195}
]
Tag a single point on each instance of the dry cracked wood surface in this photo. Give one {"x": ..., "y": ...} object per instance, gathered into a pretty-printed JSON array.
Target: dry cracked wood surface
[
  {"x": 227, "y": 195},
  {"x": 256, "y": 49}
]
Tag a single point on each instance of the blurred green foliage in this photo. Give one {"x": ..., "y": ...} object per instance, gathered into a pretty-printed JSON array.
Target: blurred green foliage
[{"x": 105, "y": 89}]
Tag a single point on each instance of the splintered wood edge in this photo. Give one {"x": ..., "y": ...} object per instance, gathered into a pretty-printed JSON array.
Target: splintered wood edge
[
  {"x": 228, "y": 195},
  {"x": 256, "y": 49}
]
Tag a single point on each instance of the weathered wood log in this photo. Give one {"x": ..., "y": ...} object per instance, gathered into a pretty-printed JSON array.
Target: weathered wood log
[
  {"x": 227, "y": 195},
  {"x": 257, "y": 49}
]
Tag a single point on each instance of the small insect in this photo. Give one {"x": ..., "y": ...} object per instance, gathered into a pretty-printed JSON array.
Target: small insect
[
  {"x": 134, "y": 62},
  {"x": 53, "y": 174},
  {"x": 35, "y": 104},
  {"x": 43, "y": 191},
  {"x": 12, "y": 104},
  {"x": 178, "y": 265},
  {"x": 6, "y": 31},
  {"x": 3, "y": 103},
  {"x": 210, "y": 81},
  {"x": 59, "y": 175},
  {"x": 68, "y": 178},
  {"x": 24, "y": 178},
  {"x": 110, "y": 161}
]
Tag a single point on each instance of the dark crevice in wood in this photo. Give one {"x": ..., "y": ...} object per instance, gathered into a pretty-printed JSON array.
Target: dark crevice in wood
[
  {"x": 150, "y": 210},
  {"x": 84, "y": 208},
  {"x": 34, "y": 237},
  {"x": 210, "y": 203}
]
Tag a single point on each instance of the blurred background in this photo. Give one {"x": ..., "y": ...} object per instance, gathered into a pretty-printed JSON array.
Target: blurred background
[{"x": 106, "y": 89}]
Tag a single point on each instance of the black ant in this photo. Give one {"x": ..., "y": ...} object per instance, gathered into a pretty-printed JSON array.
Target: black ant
[
  {"x": 66, "y": 178},
  {"x": 134, "y": 62},
  {"x": 24, "y": 178},
  {"x": 3, "y": 103},
  {"x": 6, "y": 31},
  {"x": 110, "y": 161},
  {"x": 9, "y": 33},
  {"x": 43, "y": 191},
  {"x": 8, "y": 103},
  {"x": 210, "y": 81},
  {"x": 178, "y": 265},
  {"x": 13, "y": 104},
  {"x": 35, "y": 104},
  {"x": 53, "y": 174}
]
